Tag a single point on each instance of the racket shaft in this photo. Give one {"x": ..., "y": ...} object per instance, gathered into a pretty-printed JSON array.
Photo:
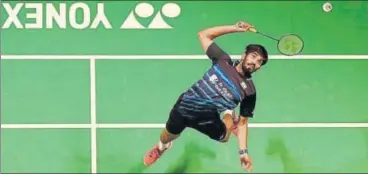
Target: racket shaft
[{"x": 268, "y": 36}]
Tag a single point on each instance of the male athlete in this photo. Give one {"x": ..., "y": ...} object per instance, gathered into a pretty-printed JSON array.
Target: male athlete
[{"x": 221, "y": 89}]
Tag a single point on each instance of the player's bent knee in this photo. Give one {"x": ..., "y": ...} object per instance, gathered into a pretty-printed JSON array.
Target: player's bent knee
[
  {"x": 222, "y": 139},
  {"x": 225, "y": 139},
  {"x": 173, "y": 129},
  {"x": 171, "y": 133}
]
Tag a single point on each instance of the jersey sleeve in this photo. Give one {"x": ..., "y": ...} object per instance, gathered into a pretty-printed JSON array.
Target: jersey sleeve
[
  {"x": 247, "y": 106},
  {"x": 215, "y": 53}
]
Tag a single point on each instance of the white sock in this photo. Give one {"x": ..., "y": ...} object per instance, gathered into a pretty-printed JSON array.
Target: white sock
[{"x": 162, "y": 146}]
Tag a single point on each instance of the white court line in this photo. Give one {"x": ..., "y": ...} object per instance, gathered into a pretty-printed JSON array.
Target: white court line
[
  {"x": 93, "y": 116},
  {"x": 160, "y": 125},
  {"x": 173, "y": 57}
]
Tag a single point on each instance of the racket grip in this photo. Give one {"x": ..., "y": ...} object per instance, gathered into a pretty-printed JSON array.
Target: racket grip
[{"x": 253, "y": 30}]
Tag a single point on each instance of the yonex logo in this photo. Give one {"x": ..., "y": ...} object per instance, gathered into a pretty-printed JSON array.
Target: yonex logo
[
  {"x": 145, "y": 10},
  {"x": 86, "y": 15}
]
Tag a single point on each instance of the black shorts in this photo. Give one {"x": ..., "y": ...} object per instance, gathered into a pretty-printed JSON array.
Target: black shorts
[{"x": 208, "y": 123}]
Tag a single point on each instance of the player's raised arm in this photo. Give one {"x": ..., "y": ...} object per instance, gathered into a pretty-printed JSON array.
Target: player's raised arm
[{"x": 207, "y": 36}]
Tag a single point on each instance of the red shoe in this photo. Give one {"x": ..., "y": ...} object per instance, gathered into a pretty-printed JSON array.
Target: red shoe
[{"x": 154, "y": 154}]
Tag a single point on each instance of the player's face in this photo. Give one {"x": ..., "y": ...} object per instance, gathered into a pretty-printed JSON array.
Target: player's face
[{"x": 252, "y": 62}]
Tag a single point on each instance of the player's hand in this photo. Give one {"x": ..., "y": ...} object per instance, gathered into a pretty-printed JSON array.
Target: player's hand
[
  {"x": 246, "y": 162},
  {"x": 243, "y": 26}
]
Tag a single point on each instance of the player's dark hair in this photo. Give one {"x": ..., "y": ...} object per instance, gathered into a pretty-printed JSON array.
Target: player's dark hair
[{"x": 259, "y": 49}]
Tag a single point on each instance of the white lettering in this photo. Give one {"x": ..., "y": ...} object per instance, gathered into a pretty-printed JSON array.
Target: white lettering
[
  {"x": 53, "y": 15},
  {"x": 73, "y": 16},
  {"x": 37, "y": 15},
  {"x": 101, "y": 17},
  {"x": 220, "y": 87},
  {"x": 12, "y": 15}
]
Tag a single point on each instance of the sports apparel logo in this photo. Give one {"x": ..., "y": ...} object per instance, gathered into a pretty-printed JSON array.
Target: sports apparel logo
[
  {"x": 220, "y": 87},
  {"x": 243, "y": 85},
  {"x": 55, "y": 15},
  {"x": 213, "y": 78},
  {"x": 145, "y": 10},
  {"x": 84, "y": 15}
]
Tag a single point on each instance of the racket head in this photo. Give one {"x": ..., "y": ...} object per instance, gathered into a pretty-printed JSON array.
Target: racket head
[{"x": 290, "y": 45}]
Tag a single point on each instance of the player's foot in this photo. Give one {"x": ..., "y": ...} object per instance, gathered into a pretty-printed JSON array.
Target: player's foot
[{"x": 154, "y": 154}]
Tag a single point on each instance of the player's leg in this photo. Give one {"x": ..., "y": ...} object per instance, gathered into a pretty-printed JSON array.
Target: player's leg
[
  {"x": 231, "y": 121},
  {"x": 174, "y": 127},
  {"x": 166, "y": 138},
  {"x": 213, "y": 127}
]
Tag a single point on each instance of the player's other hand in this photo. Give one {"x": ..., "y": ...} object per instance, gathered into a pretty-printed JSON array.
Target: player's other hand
[
  {"x": 243, "y": 26},
  {"x": 246, "y": 162}
]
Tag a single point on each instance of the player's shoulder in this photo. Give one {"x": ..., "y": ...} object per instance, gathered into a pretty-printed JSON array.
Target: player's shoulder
[
  {"x": 217, "y": 54},
  {"x": 226, "y": 61}
]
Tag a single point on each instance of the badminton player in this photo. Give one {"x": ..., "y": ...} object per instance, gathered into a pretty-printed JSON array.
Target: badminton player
[{"x": 221, "y": 89}]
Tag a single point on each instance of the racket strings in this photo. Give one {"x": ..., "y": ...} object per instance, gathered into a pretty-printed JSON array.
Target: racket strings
[{"x": 290, "y": 45}]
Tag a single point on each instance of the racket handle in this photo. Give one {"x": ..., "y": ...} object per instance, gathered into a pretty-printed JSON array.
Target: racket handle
[{"x": 253, "y": 30}]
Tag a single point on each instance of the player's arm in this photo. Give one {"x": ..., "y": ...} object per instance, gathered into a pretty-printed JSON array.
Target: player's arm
[
  {"x": 246, "y": 111},
  {"x": 243, "y": 133},
  {"x": 206, "y": 38}
]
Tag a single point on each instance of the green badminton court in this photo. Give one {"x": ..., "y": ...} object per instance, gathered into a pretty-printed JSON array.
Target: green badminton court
[{"x": 82, "y": 100}]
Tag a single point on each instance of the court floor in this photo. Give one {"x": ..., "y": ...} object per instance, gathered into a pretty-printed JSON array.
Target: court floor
[
  {"x": 122, "y": 150},
  {"x": 87, "y": 115}
]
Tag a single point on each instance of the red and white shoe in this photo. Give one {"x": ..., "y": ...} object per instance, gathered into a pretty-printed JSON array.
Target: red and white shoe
[{"x": 154, "y": 154}]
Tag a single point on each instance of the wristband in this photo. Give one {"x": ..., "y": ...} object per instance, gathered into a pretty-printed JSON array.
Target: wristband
[{"x": 243, "y": 151}]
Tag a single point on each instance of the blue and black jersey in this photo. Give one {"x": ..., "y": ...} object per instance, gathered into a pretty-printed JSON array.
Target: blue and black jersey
[{"x": 221, "y": 88}]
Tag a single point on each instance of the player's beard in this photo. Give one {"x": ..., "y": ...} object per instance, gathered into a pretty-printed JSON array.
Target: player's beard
[{"x": 246, "y": 72}]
